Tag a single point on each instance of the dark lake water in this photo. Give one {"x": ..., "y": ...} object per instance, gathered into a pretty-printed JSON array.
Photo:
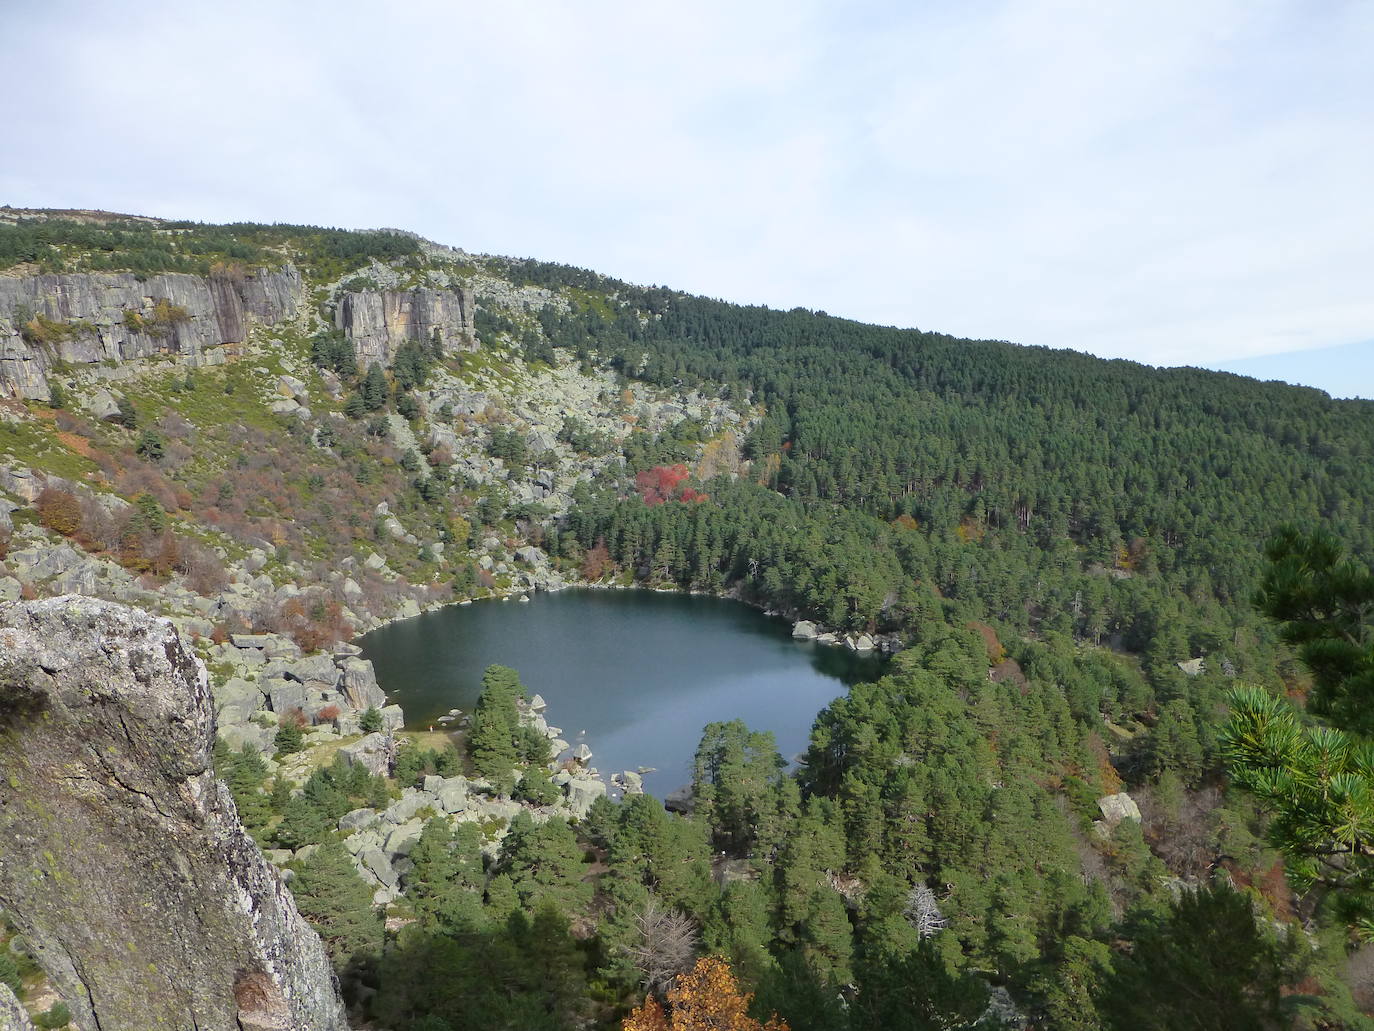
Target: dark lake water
[{"x": 634, "y": 674}]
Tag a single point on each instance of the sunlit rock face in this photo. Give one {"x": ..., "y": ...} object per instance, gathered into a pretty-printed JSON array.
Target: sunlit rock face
[{"x": 124, "y": 862}]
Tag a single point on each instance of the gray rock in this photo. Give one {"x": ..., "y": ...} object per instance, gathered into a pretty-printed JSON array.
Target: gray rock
[
  {"x": 358, "y": 819},
  {"x": 405, "y": 810},
  {"x": 286, "y": 695},
  {"x": 360, "y": 686},
  {"x": 453, "y": 796},
  {"x": 316, "y": 668},
  {"x": 379, "y": 322},
  {"x": 400, "y": 841},
  {"x": 236, "y": 700},
  {"x": 218, "y": 311},
  {"x": 393, "y": 717},
  {"x": 804, "y": 630},
  {"x": 376, "y": 861},
  {"x": 373, "y": 752},
  {"x": 110, "y": 723},
  {"x": 1118, "y": 807},
  {"x": 103, "y": 406},
  {"x": 13, "y": 1016},
  {"x": 582, "y": 792}
]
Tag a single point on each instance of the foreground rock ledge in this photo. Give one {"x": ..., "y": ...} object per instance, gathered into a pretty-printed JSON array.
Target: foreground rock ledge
[{"x": 121, "y": 854}]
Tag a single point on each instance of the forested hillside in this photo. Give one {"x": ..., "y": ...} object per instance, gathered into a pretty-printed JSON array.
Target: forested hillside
[{"x": 1048, "y": 542}]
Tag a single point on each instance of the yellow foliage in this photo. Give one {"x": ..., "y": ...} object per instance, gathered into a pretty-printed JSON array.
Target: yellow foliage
[{"x": 707, "y": 999}]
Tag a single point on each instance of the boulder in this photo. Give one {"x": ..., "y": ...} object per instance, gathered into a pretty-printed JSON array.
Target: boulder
[
  {"x": 405, "y": 810},
  {"x": 375, "y": 861},
  {"x": 103, "y": 405},
  {"x": 358, "y": 819},
  {"x": 360, "y": 686},
  {"x": 316, "y": 668},
  {"x": 453, "y": 796},
  {"x": 393, "y": 717},
  {"x": 236, "y": 700},
  {"x": 373, "y": 752},
  {"x": 401, "y": 840},
  {"x": 537, "y": 704},
  {"x": 582, "y": 792},
  {"x": 1118, "y": 807},
  {"x": 236, "y": 735},
  {"x": 286, "y": 695},
  {"x": 804, "y": 630}
]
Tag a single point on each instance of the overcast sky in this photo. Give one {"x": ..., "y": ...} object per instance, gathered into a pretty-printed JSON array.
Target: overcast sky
[{"x": 1173, "y": 182}]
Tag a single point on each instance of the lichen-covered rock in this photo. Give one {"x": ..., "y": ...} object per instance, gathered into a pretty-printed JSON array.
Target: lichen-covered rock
[
  {"x": 12, "y": 1014},
  {"x": 124, "y": 862}
]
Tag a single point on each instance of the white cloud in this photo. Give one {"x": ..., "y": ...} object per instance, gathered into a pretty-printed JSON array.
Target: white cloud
[{"x": 1174, "y": 182}]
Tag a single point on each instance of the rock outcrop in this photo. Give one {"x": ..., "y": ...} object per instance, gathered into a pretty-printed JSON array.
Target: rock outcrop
[
  {"x": 89, "y": 318},
  {"x": 380, "y": 321},
  {"x": 124, "y": 862},
  {"x": 12, "y": 1014}
]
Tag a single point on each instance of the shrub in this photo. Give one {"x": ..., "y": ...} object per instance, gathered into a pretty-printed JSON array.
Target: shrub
[
  {"x": 328, "y": 714},
  {"x": 59, "y": 510},
  {"x": 371, "y": 720},
  {"x": 58, "y": 1016}
]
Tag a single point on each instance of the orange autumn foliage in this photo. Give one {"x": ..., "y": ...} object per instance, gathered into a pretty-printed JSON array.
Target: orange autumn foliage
[{"x": 707, "y": 999}]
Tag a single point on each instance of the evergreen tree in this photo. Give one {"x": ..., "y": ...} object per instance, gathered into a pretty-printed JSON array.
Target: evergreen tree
[
  {"x": 374, "y": 389},
  {"x": 338, "y": 904},
  {"x": 495, "y": 719}
]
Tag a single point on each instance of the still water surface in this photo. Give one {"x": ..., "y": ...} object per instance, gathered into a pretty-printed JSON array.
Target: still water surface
[{"x": 635, "y": 674}]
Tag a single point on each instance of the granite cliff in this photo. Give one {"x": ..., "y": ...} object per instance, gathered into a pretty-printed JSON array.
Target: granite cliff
[
  {"x": 378, "y": 322},
  {"x": 125, "y": 864},
  {"x": 80, "y": 319}
]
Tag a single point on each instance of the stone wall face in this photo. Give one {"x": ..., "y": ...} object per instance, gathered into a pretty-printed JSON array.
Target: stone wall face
[
  {"x": 112, "y": 317},
  {"x": 124, "y": 862},
  {"x": 378, "y": 322}
]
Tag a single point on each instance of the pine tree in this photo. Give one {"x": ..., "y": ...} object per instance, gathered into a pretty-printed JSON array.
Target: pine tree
[
  {"x": 338, "y": 904},
  {"x": 374, "y": 389},
  {"x": 491, "y": 738}
]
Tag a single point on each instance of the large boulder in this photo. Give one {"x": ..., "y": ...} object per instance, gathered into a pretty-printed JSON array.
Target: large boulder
[
  {"x": 1118, "y": 807},
  {"x": 124, "y": 863},
  {"x": 582, "y": 792},
  {"x": 374, "y": 752},
  {"x": 360, "y": 686}
]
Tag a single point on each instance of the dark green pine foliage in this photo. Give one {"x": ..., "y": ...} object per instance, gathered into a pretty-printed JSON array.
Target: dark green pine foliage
[
  {"x": 492, "y": 738},
  {"x": 737, "y": 778},
  {"x": 1208, "y": 964},
  {"x": 374, "y": 389},
  {"x": 334, "y": 898}
]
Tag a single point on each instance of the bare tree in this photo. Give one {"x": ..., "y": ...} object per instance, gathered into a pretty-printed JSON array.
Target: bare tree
[
  {"x": 666, "y": 947},
  {"x": 922, "y": 911}
]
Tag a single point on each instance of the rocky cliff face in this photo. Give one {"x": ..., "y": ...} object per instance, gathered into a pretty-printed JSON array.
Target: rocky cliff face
[
  {"x": 114, "y": 317},
  {"x": 124, "y": 862},
  {"x": 378, "y": 322},
  {"x": 12, "y": 1015}
]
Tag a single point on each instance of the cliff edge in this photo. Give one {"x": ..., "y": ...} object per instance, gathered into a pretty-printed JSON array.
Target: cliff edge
[{"x": 124, "y": 862}]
